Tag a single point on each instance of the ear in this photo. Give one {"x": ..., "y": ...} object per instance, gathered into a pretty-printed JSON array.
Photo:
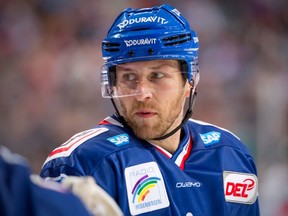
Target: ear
[{"x": 187, "y": 89}]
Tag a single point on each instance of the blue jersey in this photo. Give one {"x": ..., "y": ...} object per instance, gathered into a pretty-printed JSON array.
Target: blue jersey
[
  {"x": 211, "y": 172},
  {"x": 20, "y": 196}
]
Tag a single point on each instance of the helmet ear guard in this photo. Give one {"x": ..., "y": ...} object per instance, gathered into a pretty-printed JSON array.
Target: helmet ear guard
[
  {"x": 194, "y": 68},
  {"x": 195, "y": 75}
]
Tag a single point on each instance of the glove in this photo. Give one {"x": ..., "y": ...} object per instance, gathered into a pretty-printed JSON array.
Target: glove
[{"x": 93, "y": 196}]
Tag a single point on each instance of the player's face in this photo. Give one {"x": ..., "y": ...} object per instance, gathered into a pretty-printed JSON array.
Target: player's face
[{"x": 157, "y": 106}]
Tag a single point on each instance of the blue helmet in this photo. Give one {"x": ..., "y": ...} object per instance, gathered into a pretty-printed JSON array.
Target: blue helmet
[{"x": 149, "y": 34}]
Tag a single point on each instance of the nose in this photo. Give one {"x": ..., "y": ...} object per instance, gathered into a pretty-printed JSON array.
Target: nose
[{"x": 144, "y": 91}]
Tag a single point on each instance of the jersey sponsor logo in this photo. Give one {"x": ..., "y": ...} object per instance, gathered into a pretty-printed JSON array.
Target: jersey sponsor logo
[
  {"x": 208, "y": 124},
  {"x": 240, "y": 187},
  {"x": 145, "y": 188},
  {"x": 210, "y": 137},
  {"x": 139, "y": 42},
  {"x": 119, "y": 140},
  {"x": 151, "y": 19},
  {"x": 188, "y": 184}
]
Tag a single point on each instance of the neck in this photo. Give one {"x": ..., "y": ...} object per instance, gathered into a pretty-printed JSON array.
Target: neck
[{"x": 170, "y": 144}]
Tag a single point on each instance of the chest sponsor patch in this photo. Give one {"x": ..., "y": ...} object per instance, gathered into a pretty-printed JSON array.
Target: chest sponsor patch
[
  {"x": 145, "y": 188},
  {"x": 119, "y": 140},
  {"x": 240, "y": 187},
  {"x": 210, "y": 138}
]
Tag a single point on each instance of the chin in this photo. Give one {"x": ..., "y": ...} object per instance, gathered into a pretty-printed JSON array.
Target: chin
[
  {"x": 146, "y": 134},
  {"x": 145, "y": 137}
]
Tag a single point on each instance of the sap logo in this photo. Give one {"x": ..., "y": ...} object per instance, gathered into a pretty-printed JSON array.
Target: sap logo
[
  {"x": 240, "y": 187},
  {"x": 120, "y": 139},
  {"x": 210, "y": 137}
]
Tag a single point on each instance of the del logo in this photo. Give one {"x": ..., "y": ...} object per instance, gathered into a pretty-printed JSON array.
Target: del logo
[
  {"x": 210, "y": 137},
  {"x": 145, "y": 188},
  {"x": 120, "y": 139},
  {"x": 240, "y": 187}
]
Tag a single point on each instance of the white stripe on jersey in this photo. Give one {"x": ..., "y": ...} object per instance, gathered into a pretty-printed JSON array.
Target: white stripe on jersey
[
  {"x": 205, "y": 123},
  {"x": 181, "y": 157},
  {"x": 68, "y": 147},
  {"x": 113, "y": 121}
]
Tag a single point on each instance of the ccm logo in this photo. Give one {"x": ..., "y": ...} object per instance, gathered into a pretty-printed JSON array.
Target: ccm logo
[{"x": 240, "y": 187}]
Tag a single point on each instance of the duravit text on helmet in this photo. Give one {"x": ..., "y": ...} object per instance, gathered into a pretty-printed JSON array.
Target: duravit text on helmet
[
  {"x": 142, "y": 41},
  {"x": 151, "y": 19}
]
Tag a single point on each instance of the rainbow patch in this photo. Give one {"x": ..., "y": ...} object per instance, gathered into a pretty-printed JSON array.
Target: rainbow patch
[
  {"x": 142, "y": 187},
  {"x": 146, "y": 189}
]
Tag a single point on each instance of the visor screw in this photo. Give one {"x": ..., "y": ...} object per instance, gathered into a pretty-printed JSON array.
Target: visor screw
[
  {"x": 131, "y": 53},
  {"x": 150, "y": 51}
]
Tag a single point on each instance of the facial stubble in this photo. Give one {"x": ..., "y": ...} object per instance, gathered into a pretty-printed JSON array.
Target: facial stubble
[{"x": 149, "y": 129}]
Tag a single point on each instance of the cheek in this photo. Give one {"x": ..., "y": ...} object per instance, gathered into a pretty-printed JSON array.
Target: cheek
[
  {"x": 126, "y": 104},
  {"x": 172, "y": 101}
]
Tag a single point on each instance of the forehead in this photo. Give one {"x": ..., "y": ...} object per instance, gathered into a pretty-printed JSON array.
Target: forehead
[{"x": 151, "y": 64}]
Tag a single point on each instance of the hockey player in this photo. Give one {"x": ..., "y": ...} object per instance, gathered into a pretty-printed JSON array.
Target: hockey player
[
  {"x": 26, "y": 194},
  {"x": 150, "y": 156},
  {"x": 21, "y": 195}
]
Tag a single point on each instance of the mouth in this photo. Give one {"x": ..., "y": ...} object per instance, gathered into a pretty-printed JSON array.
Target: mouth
[{"x": 145, "y": 113}]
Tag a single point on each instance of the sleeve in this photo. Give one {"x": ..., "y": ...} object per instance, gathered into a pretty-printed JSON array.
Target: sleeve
[
  {"x": 233, "y": 177},
  {"x": 90, "y": 162},
  {"x": 109, "y": 176},
  {"x": 240, "y": 182},
  {"x": 56, "y": 172},
  {"x": 20, "y": 195},
  {"x": 46, "y": 201},
  {"x": 77, "y": 156},
  {"x": 104, "y": 171}
]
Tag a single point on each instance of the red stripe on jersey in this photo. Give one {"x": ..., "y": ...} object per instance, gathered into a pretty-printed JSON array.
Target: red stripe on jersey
[
  {"x": 163, "y": 152},
  {"x": 66, "y": 148},
  {"x": 186, "y": 155},
  {"x": 103, "y": 122}
]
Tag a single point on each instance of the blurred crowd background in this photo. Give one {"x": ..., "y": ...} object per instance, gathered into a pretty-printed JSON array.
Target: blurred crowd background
[{"x": 50, "y": 59}]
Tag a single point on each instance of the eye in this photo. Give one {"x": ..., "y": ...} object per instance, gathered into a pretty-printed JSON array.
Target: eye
[
  {"x": 129, "y": 77},
  {"x": 157, "y": 75}
]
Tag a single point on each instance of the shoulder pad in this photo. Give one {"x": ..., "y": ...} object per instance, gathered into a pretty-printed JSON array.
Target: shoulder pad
[
  {"x": 75, "y": 141},
  {"x": 208, "y": 135}
]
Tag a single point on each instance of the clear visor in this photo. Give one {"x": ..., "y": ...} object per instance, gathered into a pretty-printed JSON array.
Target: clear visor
[{"x": 134, "y": 79}]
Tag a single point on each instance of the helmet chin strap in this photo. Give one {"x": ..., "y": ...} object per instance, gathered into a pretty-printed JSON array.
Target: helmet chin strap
[
  {"x": 121, "y": 118},
  {"x": 188, "y": 114}
]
